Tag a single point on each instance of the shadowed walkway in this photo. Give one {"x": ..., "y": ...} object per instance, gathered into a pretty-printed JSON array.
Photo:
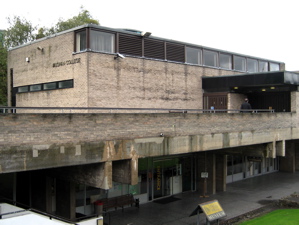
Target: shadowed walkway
[{"x": 240, "y": 197}]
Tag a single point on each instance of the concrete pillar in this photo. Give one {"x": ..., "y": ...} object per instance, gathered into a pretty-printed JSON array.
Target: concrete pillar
[
  {"x": 234, "y": 100},
  {"x": 297, "y": 156},
  {"x": 287, "y": 163},
  {"x": 294, "y": 101},
  {"x": 221, "y": 172},
  {"x": 65, "y": 199},
  {"x": 281, "y": 148},
  {"x": 206, "y": 164},
  {"x": 125, "y": 171}
]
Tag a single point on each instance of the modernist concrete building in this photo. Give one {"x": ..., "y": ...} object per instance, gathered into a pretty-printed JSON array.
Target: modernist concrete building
[{"x": 173, "y": 123}]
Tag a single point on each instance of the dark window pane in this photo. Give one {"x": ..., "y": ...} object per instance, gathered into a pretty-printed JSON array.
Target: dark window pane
[
  {"x": 193, "y": 55},
  {"x": 274, "y": 66},
  {"x": 252, "y": 65},
  {"x": 65, "y": 84},
  {"x": 36, "y": 87},
  {"x": 50, "y": 86},
  {"x": 263, "y": 66},
  {"x": 210, "y": 58},
  {"x": 81, "y": 41},
  {"x": 239, "y": 63},
  {"x": 23, "y": 89},
  {"x": 101, "y": 41},
  {"x": 225, "y": 61}
]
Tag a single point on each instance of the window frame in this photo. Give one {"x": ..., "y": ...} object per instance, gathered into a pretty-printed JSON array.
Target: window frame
[
  {"x": 216, "y": 57},
  {"x": 199, "y": 55},
  {"x": 243, "y": 62},
  {"x": 230, "y": 63}
]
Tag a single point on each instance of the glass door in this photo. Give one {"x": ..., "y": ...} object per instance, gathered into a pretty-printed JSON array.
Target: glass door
[{"x": 167, "y": 179}]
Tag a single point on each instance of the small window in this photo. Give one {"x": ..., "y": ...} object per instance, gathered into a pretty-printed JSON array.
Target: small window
[
  {"x": 252, "y": 65},
  {"x": 101, "y": 41},
  {"x": 263, "y": 66},
  {"x": 193, "y": 55},
  {"x": 23, "y": 89},
  {"x": 225, "y": 61},
  {"x": 50, "y": 86},
  {"x": 239, "y": 63},
  {"x": 210, "y": 58},
  {"x": 81, "y": 43},
  {"x": 36, "y": 87},
  {"x": 274, "y": 66},
  {"x": 65, "y": 84}
]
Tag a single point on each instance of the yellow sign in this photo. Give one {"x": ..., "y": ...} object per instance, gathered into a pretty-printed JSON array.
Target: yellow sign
[{"x": 213, "y": 210}]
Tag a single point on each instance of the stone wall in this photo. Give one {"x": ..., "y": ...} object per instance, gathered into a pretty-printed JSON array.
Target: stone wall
[{"x": 37, "y": 141}]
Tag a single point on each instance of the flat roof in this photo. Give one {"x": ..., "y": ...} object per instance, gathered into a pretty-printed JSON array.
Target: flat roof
[
  {"x": 249, "y": 82},
  {"x": 137, "y": 33}
]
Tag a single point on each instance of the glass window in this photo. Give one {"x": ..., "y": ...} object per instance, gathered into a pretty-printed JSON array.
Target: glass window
[
  {"x": 36, "y": 87},
  {"x": 50, "y": 86},
  {"x": 274, "y": 66},
  {"x": 210, "y": 58},
  {"x": 65, "y": 84},
  {"x": 239, "y": 63},
  {"x": 101, "y": 41},
  {"x": 23, "y": 89},
  {"x": 263, "y": 66},
  {"x": 81, "y": 41},
  {"x": 225, "y": 61},
  {"x": 193, "y": 55},
  {"x": 252, "y": 65}
]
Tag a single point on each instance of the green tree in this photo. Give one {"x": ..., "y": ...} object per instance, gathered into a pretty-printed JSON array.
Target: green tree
[
  {"x": 84, "y": 17},
  {"x": 19, "y": 32},
  {"x": 3, "y": 71}
]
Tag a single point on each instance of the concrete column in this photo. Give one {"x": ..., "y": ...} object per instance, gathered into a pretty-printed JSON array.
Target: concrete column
[
  {"x": 297, "y": 156},
  {"x": 294, "y": 101},
  {"x": 65, "y": 199},
  {"x": 206, "y": 164},
  {"x": 221, "y": 172},
  {"x": 125, "y": 171},
  {"x": 287, "y": 163},
  {"x": 234, "y": 100}
]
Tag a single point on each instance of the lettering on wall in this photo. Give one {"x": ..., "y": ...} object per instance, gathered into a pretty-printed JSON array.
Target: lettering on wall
[{"x": 67, "y": 62}]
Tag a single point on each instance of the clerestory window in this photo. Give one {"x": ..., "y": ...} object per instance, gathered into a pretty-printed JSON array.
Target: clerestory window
[{"x": 101, "y": 41}]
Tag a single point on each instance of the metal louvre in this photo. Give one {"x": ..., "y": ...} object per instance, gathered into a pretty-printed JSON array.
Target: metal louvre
[
  {"x": 175, "y": 52},
  {"x": 154, "y": 49},
  {"x": 130, "y": 45}
]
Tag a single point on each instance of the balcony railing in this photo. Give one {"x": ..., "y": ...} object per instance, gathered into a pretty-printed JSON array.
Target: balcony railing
[{"x": 6, "y": 109}]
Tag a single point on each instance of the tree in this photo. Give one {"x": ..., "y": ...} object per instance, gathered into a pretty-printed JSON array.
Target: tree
[
  {"x": 3, "y": 71},
  {"x": 20, "y": 32},
  {"x": 84, "y": 17}
]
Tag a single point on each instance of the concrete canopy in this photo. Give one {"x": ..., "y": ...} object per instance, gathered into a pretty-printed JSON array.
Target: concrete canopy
[{"x": 252, "y": 82}]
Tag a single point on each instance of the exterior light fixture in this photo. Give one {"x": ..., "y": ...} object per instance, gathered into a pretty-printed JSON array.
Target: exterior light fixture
[
  {"x": 263, "y": 89},
  {"x": 40, "y": 48},
  {"x": 146, "y": 34},
  {"x": 119, "y": 56},
  {"x": 236, "y": 88},
  {"x": 272, "y": 88}
]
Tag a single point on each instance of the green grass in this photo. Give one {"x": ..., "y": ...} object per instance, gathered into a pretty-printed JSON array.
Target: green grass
[{"x": 277, "y": 217}]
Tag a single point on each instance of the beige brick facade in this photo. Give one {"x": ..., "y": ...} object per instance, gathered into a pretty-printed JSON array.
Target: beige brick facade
[{"x": 102, "y": 81}]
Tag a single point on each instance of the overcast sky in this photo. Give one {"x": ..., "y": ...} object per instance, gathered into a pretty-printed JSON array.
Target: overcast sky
[{"x": 260, "y": 28}]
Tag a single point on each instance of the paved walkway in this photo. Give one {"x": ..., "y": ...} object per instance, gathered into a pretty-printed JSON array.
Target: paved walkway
[{"x": 240, "y": 197}]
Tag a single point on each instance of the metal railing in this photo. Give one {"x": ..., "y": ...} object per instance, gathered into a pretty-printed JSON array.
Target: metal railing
[{"x": 6, "y": 109}]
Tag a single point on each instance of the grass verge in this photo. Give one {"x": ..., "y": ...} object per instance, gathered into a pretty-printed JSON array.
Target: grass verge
[{"x": 277, "y": 217}]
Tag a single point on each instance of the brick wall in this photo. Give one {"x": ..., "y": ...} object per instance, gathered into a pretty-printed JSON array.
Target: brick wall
[
  {"x": 17, "y": 129},
  {"x": 102, "y": 81}
]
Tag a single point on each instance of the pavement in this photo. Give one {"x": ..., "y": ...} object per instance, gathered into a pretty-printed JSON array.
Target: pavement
[{"x": 239, "y": 198}]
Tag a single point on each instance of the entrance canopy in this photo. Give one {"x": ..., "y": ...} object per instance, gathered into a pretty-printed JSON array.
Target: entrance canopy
[{"x": 252, "y": 82}]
